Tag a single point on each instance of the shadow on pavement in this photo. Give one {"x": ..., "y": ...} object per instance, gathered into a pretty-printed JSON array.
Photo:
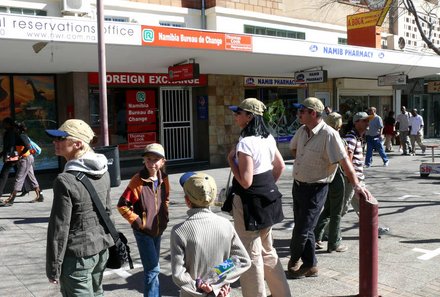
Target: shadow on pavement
[
  {"x": 135, "y": 282},
  {"x": 422, "y": 241}
]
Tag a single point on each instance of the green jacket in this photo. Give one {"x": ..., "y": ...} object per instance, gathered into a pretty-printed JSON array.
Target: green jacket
[{"x": 74, "y": 227}]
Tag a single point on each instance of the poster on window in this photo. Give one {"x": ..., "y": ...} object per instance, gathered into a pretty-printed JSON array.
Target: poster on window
[
  {"x": 34, "y": 105},
  {"x": 5, "y": 97},
  {"x": 141, "y": 118}
]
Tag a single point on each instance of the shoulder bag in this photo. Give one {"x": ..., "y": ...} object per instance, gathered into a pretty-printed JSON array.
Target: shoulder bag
[
  {"x": 35, "y": 148},
  {"x": 120, "y": 252}
]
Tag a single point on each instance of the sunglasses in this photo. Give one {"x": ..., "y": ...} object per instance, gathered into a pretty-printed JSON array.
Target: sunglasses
[
  {"x": 303, "y": 110},
  {"x": 237, "y": 113},
  {"x": 59, "y": 139}
]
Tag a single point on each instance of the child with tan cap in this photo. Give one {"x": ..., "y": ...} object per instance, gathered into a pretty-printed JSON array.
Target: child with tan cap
[
  {"x": 144, "y": 204},
  {"x": 203, "y": 241}
]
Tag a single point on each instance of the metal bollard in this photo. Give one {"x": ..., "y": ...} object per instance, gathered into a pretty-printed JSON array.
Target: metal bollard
[{"x": 368, "y": 247}]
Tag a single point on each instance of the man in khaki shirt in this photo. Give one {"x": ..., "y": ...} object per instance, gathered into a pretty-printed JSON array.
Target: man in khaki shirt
[{"x": 317, "y": 149}]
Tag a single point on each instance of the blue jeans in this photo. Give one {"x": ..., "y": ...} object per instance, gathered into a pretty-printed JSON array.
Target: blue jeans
[
  {"x": 149, "y": 251},
  {"x": 374, "y": 142},
  {"x": 308, "y": 200}
]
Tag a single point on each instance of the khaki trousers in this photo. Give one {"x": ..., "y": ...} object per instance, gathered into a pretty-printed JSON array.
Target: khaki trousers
[{"x": 265, "y": 264}]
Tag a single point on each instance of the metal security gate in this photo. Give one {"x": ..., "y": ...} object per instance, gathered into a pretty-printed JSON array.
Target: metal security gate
[{"x": 176, "y": 123}]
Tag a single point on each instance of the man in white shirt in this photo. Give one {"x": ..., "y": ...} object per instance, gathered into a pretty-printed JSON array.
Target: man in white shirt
[
  {"x": 402, "y": 125},
  {"x": 416, "y": 131}
]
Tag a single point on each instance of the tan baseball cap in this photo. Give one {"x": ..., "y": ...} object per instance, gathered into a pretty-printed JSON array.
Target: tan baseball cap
[
  {"x": 200, "y": 188},
  {"x": 74, "y": 128},
  {"x": 360, "y": 116},
  {"x": 334, "y": 120},
  {"x": 311, "y": 103},
  {"x": 154, "y": 148},
  {"x": 251, "y": 105}
]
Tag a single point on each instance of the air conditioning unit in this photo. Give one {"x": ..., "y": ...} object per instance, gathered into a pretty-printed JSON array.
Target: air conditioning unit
[
  {"x": 75, "y": 6},
  {"x": 396, "y": 42}
]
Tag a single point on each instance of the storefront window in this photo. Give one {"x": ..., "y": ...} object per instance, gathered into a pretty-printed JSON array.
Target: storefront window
[
  {"x": 31, "y": 99},
  {"x": 280, "y": 115},
  {"x": 349, "y": 105},
  {"x": 434, "y": 119}
]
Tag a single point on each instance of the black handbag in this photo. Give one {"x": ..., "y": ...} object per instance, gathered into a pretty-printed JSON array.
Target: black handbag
[{"x": 120, "y": 252}]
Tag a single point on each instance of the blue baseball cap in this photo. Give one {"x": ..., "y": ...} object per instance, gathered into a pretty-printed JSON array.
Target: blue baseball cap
[{"x": 185, "y": 177}]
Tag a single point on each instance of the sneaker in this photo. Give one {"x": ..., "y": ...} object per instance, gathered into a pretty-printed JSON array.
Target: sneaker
[
  {"x": 366, "y": 166},
  {"x": 340, "y": 249},
  {"x": 386, "y": 163},
  {"x": 319, "y": 245},
  {"x": 383, "y": 230},
  {"x": 304, "y": 272},
  {"x": 423, "y": 151}
]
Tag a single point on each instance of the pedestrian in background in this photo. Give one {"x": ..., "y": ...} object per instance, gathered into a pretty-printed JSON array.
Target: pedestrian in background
[
  {"x": 8, "y": 150},
  {"x": 416, "y": 131},
  {"x": 317, "y": 149},
  {"x": 402, "y": 125},
  {"x": 256, "y": 165},
  {"x": 374, "y": 138},
  {"x": 25, "y": 166},
  {"x": 354, "y": 140},
  {"x": 327, "y": 111},
  {"x": 144, "y": 204},
  {"x": 389, "y": 131},
  {"x": 330, "y": 217},
  {"x": 203, "y": 241},
  {"x": 77, "y": 243}
]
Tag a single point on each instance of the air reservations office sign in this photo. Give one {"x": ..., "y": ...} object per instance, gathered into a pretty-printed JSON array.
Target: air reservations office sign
[
  {"x": 173, "y": 37},
  {"x": 65, "y": 29}
]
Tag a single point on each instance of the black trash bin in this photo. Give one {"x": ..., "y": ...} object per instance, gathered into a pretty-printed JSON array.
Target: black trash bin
[{"x": 114, "y": 168}]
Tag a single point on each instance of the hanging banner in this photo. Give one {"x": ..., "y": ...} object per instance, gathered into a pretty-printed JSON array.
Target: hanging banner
[
  {"x": 184, "y": 72},
  {"x": 392, "y": 80},
  {"x": 309, "y": 77}
]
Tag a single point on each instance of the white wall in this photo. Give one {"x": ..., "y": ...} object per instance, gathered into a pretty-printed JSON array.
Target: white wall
[{"x": 233, "y": 21}]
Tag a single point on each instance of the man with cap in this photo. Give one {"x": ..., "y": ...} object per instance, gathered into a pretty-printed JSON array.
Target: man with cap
[
  {"x": 203, "y": 241},
  {"x": 317, "y": 149},
  {"x": 77, "y": 243},
  {"x": 355, "y": 154},
  {"x": 144, "y": 204}
]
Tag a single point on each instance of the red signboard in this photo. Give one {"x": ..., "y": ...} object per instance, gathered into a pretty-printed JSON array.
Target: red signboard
[
  {"x": 145, "y": 79},
  {"x": 185, "y": 38},
  {"x": 183, "y": 72},
  {"x": 141, "y": 107},
  {"x": 141, "y": 118},
  {"x": 137, "y": 141}
]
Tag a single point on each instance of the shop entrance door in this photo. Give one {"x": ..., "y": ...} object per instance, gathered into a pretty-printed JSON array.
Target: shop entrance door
[{"x": 176, "y": 123}]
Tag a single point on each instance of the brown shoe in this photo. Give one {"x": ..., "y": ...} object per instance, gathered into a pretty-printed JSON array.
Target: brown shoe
[
  {"x": 319, "y": 245},
  {"x": 39, "y": 198},
  {"x": 293, "y": 266},
  {"x": 304, "y": 272},
  {"x": 340, "y": 249}
]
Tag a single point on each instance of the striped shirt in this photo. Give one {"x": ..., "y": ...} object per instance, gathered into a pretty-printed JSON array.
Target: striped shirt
[{"x": 354, "y": 146}]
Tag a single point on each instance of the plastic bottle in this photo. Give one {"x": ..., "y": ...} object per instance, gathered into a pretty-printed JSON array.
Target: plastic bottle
[{"x": 220, "y": 271}]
